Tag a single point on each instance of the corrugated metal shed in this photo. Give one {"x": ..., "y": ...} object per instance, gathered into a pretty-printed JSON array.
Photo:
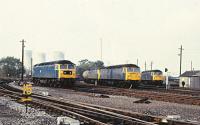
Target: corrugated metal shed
[
  {"x": 191, "y": 73},
  {"x": 190, "y": 79}
]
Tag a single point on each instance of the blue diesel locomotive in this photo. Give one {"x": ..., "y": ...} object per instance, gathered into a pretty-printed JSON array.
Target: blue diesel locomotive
[
  {"x": 152, "y": 77},
  {"x": 55, "y": 74},
  {"x": 119, "y": 75}
]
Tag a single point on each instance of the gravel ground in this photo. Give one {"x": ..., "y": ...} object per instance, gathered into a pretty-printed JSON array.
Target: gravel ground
[
  {"x": 13, "y": 113},
  {"x": 157, "y": 108}
]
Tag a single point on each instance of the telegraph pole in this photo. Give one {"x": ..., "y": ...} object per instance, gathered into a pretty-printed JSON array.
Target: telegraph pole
[
  {"x": 191, "y": 66},
  {"x": 137, "y": 62},
  {"x": 145, "y": 65},
  {"x": 22, "y": 76},
  {"x": 151, "y": 65},
  {"x": 181, "y": 54},
  {"x": 101, "y": 47},
  {"x": 31, "y": 66}
]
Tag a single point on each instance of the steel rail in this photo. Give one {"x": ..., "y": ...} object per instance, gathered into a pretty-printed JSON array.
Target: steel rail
[
  {"x": 114, "y": 113},
  {"x": 111, "y": 115},
  {"x": 48, "y": 105}
]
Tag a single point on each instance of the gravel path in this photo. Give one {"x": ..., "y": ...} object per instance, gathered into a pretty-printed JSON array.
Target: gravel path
[
  {"x": 157, "y": 108},
  {"x": 13, "y": 113}
]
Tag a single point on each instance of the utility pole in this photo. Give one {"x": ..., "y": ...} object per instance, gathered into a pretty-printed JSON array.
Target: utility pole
[
  {"x": 151, "y": 65},
  {"x": 145, "y": 65},
  {"x": 181, "y": 54},
  {"x": 31, "y": 66},
  {"x": 191, "y": 66},
  {"x": 101, "y": 47},
  {"x": 22, "y": 75},
  {"x": 137, "y": 62}
]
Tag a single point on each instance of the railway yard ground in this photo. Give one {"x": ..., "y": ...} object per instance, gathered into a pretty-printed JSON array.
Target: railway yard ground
[
  {"x": 13, "y": 113},
  {"x": 116, "y": 98}
]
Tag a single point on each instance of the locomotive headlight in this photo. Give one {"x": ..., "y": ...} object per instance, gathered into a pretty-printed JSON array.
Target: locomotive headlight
[
  {"x": 67, "y": 72},
  {"x": 156, "y": 77}
]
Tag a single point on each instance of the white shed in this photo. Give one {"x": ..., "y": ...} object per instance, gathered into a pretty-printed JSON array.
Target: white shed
[{"x": 190, "y": 79}]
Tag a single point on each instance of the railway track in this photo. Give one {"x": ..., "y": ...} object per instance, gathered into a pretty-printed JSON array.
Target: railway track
[
  {"x": 175, "y": 90},
  {"x": 88, "y": 113},
  {"x": 83, "y": 112},
  {"x": 175, "y": 96}
]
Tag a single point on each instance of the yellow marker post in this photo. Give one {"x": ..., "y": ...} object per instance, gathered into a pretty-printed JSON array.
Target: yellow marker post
[
  {"x": 26, "y": 99},
  {"x": 27, "y": 91}
]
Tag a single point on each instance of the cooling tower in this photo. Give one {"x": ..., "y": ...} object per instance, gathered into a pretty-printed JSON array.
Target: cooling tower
[
  {"x": 57, "y": 55},
  {"x": 39, "y": 58}
]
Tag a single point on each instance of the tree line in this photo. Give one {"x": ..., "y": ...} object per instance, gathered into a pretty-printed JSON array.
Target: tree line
[
  {"x": 11, "y": 66},
  {"x": 85, "y": 64}
]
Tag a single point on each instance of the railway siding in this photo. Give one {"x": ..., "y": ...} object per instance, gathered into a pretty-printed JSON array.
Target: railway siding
[
  {"x": 99, "y": 117},
  {"x": 146, "y": 118},
  {"x": 156, "y": 108},
  {"x": 174, "y": 97}
]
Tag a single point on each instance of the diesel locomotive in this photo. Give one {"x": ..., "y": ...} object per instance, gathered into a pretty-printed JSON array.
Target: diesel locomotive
[
  {"x": 55, "y": 74},
  {"x": 152, "y": 77},
  {"x": 126, "y": 75}
]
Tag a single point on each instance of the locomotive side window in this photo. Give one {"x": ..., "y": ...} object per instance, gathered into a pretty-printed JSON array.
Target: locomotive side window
[{"x": 56, "y": 67}]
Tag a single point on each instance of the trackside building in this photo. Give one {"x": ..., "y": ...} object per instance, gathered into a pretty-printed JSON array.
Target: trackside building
[{"x": 190, "y": 79}]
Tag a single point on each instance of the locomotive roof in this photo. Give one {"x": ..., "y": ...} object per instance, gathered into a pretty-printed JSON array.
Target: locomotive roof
[
  {"x": 55, "y": 62},
  {"x": 122, "y": 65},
  {"x": 152, "y": 71}
]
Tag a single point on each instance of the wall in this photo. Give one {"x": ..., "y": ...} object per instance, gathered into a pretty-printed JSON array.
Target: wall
[
  {"x": 195, "y": 83},
  {"x": 186, "y": 80},
  {"x": 190, "y": 82}
]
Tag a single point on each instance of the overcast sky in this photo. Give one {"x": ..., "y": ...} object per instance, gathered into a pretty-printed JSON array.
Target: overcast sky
[{"x": 150, "y": 30}]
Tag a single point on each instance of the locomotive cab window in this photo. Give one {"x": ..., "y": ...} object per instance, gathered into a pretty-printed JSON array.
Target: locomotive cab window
[
  {"x": 132, "y": 69},
  {"x": 63, "y": 66},
  {"x": 136, "y": 70},
  {"x": 158, "y": 73},
  {"x": 70, "y": 66}
]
